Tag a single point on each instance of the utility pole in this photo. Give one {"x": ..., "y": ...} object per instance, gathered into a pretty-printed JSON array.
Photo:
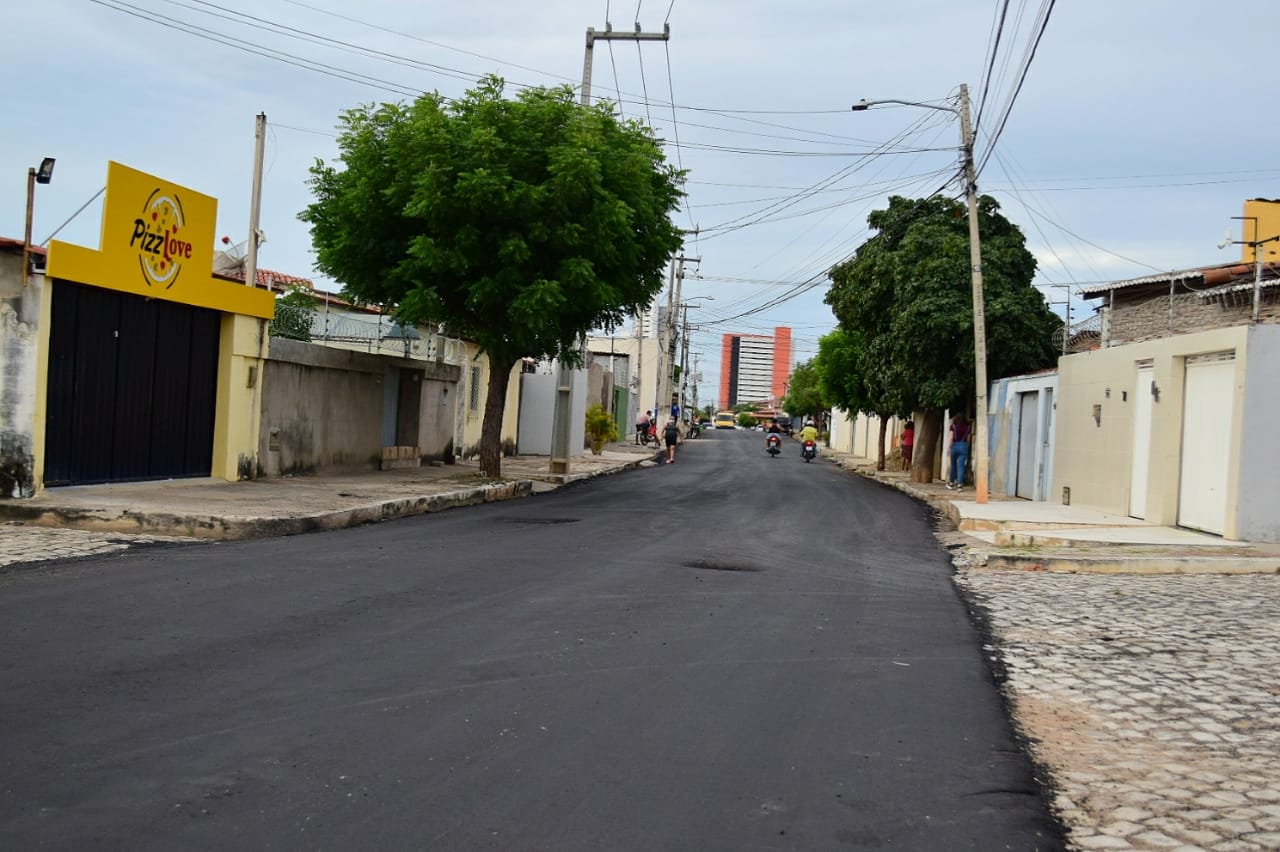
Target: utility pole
[
  {"x": 255, "y": 201},
  {"x": 563, "y": 413},
  {"x": 975, "y": 267},
  {"x": 666, "y": 377}
]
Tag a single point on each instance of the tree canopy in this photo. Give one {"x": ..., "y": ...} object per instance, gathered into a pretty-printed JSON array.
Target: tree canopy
[
  {"x": 804, "y": 395},
  {"x": 519, "y": 223},
  {"x": 907, "y": 295},
  {"x": 906, "y": 299}
]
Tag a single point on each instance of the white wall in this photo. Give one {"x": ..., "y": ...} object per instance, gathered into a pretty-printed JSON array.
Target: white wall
[
  {"x": 1258, "y": 504},
  {"x": 537, "y": 409}
]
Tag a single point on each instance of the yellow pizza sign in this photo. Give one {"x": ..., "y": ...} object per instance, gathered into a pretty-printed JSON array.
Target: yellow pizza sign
[{"x": 157, "y": 241}]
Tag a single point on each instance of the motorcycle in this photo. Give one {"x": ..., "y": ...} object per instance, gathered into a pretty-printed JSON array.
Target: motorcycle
[
  {"x": 773, "y": 445},
  {"x": 809, "y": 451}
]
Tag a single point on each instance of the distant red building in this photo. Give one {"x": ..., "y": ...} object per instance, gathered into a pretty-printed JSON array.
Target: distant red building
[{"x": 754, "y": 367}]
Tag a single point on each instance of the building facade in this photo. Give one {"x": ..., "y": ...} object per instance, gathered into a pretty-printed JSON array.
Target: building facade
[{"x": 754, "y": 367}]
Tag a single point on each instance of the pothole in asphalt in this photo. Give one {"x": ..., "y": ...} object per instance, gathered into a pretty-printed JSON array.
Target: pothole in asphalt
[
  {"x": 705, "y": 565},
  {"x": 541, "y": 520}
]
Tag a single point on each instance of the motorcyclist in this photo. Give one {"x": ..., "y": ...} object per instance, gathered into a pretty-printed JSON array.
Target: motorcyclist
[
  {"x": 773, "y": 438},
  {"x": 808, "y": 433}
]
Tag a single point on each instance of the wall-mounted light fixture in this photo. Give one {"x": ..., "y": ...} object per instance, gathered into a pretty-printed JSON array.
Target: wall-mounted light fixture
[
  {"x": 1155, "y": 391},
  {"x": 1097, "y": 414}
]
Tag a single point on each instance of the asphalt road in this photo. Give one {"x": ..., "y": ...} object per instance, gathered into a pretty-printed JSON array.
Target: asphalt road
[{"x": 728, "y": 653}]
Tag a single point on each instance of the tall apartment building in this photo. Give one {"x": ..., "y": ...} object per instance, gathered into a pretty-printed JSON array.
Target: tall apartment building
[{"x": 754, "y": 367}]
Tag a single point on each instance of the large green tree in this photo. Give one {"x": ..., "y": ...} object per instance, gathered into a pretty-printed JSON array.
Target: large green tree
[
  {"x": 907, "y": 293},
  {"x": 853, "y": 382},
  {"x": 519, "y": 223},
  {"x": 804, "y": 394}
]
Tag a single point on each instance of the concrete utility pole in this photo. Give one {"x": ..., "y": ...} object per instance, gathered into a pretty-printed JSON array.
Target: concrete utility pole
[
  {"x": 255, "y": 201},
  {"x": 666, "y": 377},
  {"x": 563, "y": 413},
  {"x": 975, "y": 266}
]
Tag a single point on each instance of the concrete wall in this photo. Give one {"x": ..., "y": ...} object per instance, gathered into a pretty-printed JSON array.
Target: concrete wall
[
  {"x": 1148, "y": 317},
  {"x": 1093, "y": 455},
  {"x": 1005, "y": 423},
  {"x": 537, "y": 407},
  {"x": 21, "y": 331},
  {"x": 1258, "y": 506},
  {"x": 322, "y": 408},
  {"x": 642, "y": 361}
]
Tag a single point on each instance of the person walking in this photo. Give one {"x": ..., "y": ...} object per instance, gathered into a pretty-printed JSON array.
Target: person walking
[
  {"x": 908, "y": 444},
  {"x": 671, "y": 435},
  {"x": 961, "y": 431}
]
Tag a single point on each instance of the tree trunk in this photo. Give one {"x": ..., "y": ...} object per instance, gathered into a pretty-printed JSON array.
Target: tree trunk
[
  {"x": 884, "y": 430},
  {"x": 495, "y": 404},
  {"x": 928, "y": 441}
]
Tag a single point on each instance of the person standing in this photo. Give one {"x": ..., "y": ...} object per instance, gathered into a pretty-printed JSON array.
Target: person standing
[
  {"x": 671, "y": 435},
  {"x": 908, "y": 444},
  {"x": 961, "y": 432},
  {"x": 642, "y": 427}
]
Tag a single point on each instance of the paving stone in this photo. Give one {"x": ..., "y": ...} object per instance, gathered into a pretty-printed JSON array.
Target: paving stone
[{"x": 1171, "y": 725}]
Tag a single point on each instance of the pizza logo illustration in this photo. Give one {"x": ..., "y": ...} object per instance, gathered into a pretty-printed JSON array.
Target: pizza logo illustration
[{"x": 158, "y": 237}]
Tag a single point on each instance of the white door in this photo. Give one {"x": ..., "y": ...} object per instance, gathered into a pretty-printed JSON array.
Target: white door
[
  {"x": 1141, "y": 455},
  {"x": 1028, "y": 424},
  {"x": 1208, "y": 401}
]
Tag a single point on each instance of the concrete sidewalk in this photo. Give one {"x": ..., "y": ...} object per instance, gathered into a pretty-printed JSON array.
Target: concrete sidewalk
[
  {"x": 216, "y": 509},
  {"x": 1018, "y": 534}
]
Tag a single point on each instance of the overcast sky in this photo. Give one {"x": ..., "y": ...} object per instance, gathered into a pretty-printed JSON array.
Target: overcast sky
[{"x": 1139, "y": 130}]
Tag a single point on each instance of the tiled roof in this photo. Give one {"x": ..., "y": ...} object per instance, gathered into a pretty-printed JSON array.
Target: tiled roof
[
  {"x": 269, "y": 279},
  {"x": 1218, "y": 274},
  {"x": 11, "y": 243}
]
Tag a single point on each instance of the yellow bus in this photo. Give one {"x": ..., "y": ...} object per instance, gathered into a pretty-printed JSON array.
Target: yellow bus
[{"x": 726, "y": 420}]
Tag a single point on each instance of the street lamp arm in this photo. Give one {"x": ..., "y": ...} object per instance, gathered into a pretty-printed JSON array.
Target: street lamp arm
[{"x": 864, "y": 104}]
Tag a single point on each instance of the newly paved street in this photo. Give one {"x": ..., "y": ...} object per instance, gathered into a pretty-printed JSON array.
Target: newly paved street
[{"x": 726, "y": 653}]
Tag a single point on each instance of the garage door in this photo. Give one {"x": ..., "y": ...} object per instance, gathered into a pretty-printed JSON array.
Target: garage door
[
  {"x": 132, "y": 387},
  {"x": 1208, "y": 403}
]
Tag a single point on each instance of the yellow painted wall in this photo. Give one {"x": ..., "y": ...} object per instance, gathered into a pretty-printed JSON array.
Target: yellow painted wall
[
  {"x": 473, "y": 420},
  {"x": 241, "y": 352},
  {"x": 1094, "y": 458},
  {"x": 1261, "y": 220}
]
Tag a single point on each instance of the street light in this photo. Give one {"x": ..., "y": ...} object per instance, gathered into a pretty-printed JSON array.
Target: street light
[
  {"x": 975, "y": 265},
  {"x": 42, "y": 175}
]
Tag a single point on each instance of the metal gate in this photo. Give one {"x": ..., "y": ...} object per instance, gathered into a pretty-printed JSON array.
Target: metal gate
[
  {"x": 132, "y": 387},
  {"x": 1208, "y": 403},
  {"x": 1027, "y": 478}
]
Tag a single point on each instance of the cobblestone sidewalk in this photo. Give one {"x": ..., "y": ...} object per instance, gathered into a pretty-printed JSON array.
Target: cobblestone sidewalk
[
  {"x": 1154, "y": 701},
  {"x": 20, "y": 544}
]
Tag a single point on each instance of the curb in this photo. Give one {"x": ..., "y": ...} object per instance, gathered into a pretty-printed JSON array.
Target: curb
[
  {"x": 1053, "y": 564},
  {"x": 1076, "y": 563},
  {"x": 233, "y": 528}
]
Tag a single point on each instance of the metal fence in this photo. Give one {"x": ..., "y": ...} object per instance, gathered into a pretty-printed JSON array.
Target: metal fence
[{"x": 377, "y": 334}]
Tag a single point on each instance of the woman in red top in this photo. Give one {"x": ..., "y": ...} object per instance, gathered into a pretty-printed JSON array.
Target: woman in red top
[{"x": 908, "y": 444}]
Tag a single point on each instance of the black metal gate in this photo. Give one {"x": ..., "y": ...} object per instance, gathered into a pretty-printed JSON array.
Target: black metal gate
[{"x": 132, "y": 387}]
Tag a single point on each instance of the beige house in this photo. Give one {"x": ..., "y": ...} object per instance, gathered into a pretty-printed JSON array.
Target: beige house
[{"x": 1173, "y": 418}]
